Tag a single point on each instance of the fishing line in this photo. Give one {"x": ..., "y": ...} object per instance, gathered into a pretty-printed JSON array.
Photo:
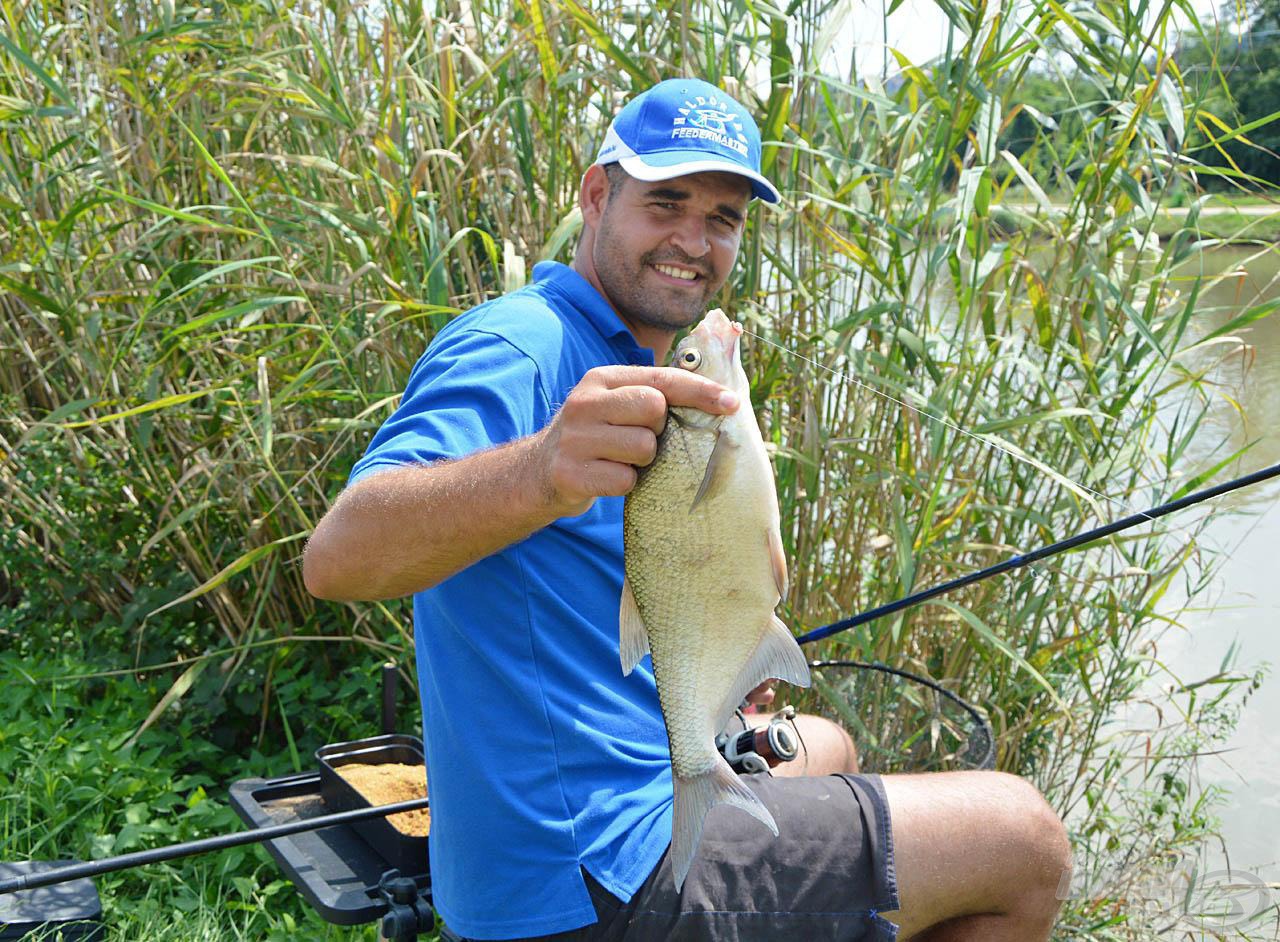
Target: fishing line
[
  {"x": 951, "y": 425},
  {"x": 929, "y": 415}
]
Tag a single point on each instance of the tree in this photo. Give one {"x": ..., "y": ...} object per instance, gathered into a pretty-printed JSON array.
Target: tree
[{"x": 1249, "y": 61}]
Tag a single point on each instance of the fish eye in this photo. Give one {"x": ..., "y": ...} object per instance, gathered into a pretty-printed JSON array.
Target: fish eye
[{"x": 690, "y": 359}]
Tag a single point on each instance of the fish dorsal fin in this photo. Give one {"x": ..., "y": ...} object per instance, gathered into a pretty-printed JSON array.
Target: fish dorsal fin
[
  {"x": 778, "y": 560},
  {"x": 633, "y": 640},
  {"x": 719, "y": 467},
  {"x": 777, "y": 655}
]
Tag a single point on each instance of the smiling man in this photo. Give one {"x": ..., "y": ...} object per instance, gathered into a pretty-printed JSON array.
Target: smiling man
[{"x": 494, "y": 496}]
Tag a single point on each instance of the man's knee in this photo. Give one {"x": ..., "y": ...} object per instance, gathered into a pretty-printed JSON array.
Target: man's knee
[
  {"x": 976, "y": 845},
  {"x": 1040, "y": 835},
  {"x": 832, "y": 747}
]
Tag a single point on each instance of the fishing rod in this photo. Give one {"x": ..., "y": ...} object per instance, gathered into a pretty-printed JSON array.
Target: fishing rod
[
  {"x": 1026, "y": 559},
  {"x": 93, "y": 868}
]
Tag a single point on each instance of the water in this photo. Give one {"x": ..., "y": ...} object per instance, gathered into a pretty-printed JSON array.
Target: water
[{"x": 1241, "y": 613}]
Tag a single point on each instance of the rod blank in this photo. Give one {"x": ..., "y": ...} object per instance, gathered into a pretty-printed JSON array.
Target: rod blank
[
  {"x": 92, "y": 868},
  {"x": 1017, "y": 562}
]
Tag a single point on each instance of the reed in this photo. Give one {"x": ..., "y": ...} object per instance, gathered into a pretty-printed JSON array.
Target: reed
[{"x": 229, "y": 230}]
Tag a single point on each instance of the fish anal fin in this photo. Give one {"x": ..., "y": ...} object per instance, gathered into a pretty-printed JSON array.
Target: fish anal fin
[
  {"x": 694, "y": 797},
  {"x": 777, "y": 655},
  {"x": 633, "y": 640},
  {"x": 778, "y": 560},
  {"x": 719, "y": 468}
]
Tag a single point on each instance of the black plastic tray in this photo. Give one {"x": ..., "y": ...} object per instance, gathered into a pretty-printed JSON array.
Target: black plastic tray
[
  {"x": 336, "y": 870},
  {"x": 64, "y": 911},
  {"x": 404, "y": 851}
]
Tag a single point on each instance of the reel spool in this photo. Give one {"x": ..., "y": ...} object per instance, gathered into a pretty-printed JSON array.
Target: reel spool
[{"x": 758, "y": 750}]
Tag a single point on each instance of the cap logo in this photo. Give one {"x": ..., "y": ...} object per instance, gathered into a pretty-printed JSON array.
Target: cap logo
[{"x": 701, "y": 118}]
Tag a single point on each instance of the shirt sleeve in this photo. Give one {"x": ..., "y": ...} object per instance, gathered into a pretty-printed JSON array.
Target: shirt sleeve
[{"x": 471, "y": 390}]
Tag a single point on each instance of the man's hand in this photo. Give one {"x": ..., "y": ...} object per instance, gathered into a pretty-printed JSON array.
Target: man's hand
[
  {"x": 609, "y": 426},
  {"x": 762, "y": 695}
]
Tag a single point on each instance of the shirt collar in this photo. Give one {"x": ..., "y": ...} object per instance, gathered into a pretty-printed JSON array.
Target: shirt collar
[{"x": 582, "y": 296}]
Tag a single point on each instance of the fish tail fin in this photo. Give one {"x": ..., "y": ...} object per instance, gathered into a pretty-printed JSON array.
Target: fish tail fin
[{"x": 694, "y": 797}]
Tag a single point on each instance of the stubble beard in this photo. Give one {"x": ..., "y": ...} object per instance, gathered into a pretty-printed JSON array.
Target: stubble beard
[{"x": 624, "y": 283}]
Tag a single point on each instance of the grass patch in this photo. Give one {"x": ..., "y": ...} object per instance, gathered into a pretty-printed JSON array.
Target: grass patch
[{"x": 72, "y": 789}]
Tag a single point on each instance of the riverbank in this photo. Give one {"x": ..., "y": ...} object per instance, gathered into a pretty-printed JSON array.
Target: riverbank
[
  {"x": 1231, "y": 222},
  {"x": 1245, "y": 222}
]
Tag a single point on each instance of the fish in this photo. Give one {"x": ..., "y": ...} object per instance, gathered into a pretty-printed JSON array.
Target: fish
[{"x": 704, "y": 570}]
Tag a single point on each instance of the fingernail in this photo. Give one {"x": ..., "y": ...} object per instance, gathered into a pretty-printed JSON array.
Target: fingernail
[{"x": 728, "y": 400}]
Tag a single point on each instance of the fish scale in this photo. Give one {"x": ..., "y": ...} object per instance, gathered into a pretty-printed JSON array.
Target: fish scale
[{"x": 704, "y": 571}]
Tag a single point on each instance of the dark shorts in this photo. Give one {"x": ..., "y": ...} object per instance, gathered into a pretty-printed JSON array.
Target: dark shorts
[{"x": 827, "y": 876}]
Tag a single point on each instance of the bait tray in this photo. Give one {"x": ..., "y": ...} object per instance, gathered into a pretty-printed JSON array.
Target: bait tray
[
  {"x": 334, "y": 868},
  {"x": 406, "y": 852}
]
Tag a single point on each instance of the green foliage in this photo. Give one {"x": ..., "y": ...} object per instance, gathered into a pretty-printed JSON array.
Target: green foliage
[
  {"x": 1234, "y": 65},
  {"x": 73, "y": 787}
]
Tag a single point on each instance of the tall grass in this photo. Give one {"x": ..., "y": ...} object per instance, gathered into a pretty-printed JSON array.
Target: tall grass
[{"x": 229, "y": 230}]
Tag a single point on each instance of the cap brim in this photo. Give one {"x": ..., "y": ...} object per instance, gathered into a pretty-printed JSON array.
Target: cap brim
[{"x": 666, "y": 165}]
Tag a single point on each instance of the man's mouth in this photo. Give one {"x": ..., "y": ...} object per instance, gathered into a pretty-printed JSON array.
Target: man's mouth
[{"x": 676, "y": 271}]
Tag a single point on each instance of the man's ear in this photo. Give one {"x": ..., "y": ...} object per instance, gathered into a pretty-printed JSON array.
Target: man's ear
[{"x": 593, "y": 194}]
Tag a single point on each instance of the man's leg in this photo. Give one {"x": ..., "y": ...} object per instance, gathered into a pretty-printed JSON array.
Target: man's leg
[{"x": 978, "y": 856}]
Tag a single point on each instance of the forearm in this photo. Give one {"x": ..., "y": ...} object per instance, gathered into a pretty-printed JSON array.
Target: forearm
[
  {"x": 407, "y": 529},
  {"x": 401, "y": 531}
]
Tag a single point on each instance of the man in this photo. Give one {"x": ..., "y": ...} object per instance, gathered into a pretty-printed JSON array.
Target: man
[{"x": 494, "y": 496}]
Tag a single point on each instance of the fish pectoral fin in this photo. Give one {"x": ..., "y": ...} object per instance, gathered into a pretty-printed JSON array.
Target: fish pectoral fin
[
  {"x": 694, "y": 797},
  {"x": 719, "y": 468},
  {"x": 777, "y": 655},
  {"x": 778, "y": 560},
  {"x": 633, "y": 640}
]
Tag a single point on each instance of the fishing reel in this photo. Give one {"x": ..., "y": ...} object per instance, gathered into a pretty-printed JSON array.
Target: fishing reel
[{"x": 759, "y": 750}]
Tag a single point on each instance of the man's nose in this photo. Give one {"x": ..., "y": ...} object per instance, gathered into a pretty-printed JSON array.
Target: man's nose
[{"x": 690, "y": 236}]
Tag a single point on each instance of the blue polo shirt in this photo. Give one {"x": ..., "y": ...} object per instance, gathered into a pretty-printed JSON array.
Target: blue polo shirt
[{"x": 541, "y": 757}]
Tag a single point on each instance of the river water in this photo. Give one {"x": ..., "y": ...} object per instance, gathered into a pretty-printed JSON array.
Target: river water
[{"x": 1240, "y": 615}]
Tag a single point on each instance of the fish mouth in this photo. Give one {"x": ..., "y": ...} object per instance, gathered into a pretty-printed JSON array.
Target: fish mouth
[{"x": 716, "y": 328}]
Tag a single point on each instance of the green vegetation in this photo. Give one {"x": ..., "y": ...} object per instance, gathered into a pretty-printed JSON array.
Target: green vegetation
[
  {"x": 1234, "y": 64},
  {"x": 228, "y": 231},
  {"x": 74, "y": 784}
]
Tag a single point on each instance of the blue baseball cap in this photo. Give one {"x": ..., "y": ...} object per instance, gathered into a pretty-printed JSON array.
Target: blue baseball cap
[{"x": 683, "y": 126}]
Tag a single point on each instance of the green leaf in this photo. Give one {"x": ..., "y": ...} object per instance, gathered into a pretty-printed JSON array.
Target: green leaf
[
  {"x": 47, "y": 80},
  {"x": 238, "y": 566},
  {"x": 1028, "y": 181},
  {"x": 224, "y": 269},
  {"x": 1000, "y": 425},
  {"x": 1203, "y": 477},
  {"x": 1251, "y": 315},
  {"x": 1171, "y": 97},
  {"x": 979, "y": 626},
  {"x": 163, "y": 403},
  {"x": 171, "y": 696},
  {"x": 244, "y": 307}
]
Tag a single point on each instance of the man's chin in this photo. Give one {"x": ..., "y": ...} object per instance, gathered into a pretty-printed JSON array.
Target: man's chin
[{"x": 666, "y": 319}]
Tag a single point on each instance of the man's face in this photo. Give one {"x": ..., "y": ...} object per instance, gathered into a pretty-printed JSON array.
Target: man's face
[{"x": 662, "y": 250}]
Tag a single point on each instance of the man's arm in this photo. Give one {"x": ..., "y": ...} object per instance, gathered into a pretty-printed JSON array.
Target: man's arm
[{"x": 407, "y": 529}]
